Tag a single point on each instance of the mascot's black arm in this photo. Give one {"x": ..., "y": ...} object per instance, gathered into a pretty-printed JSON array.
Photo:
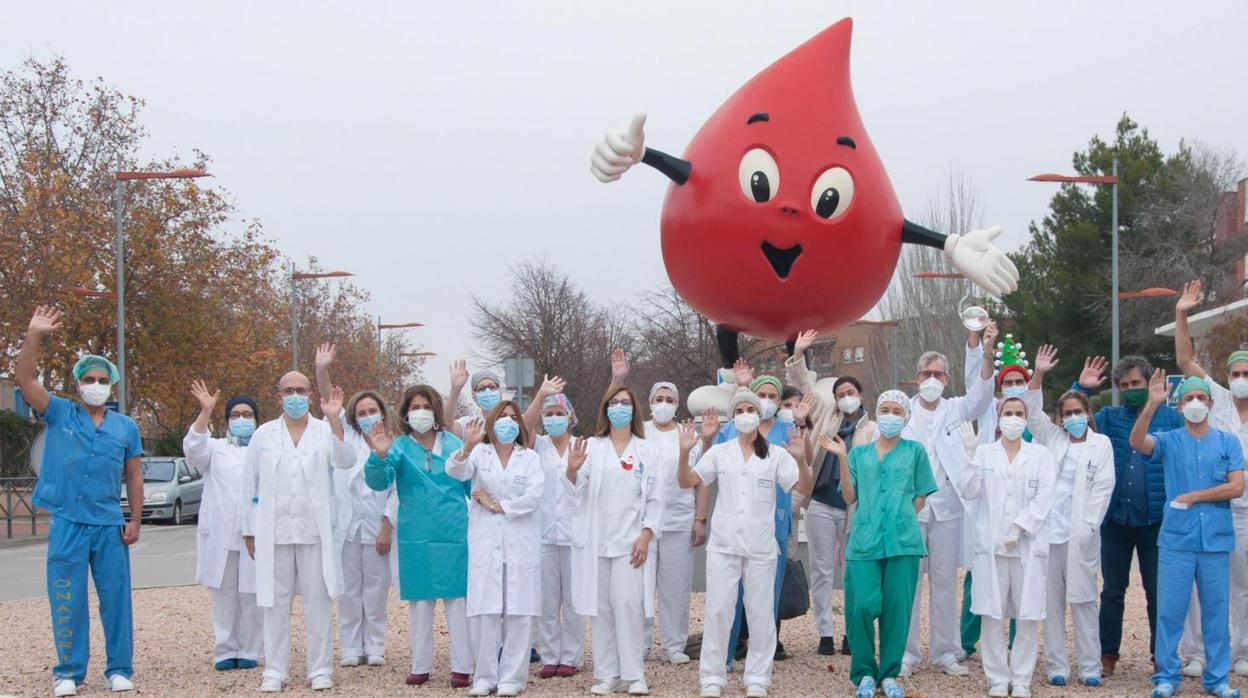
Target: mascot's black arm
[
  {"x": 673, "y": 167},
  {"x": 915, "y": 234}
]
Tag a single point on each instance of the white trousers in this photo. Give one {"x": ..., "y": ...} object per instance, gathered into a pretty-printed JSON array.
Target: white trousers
[
  {"x": 420, "y": 616},
  {"x": 1009, "y": 666},
  {"x": 825, "y": 537},
  {"x": 237, "y": 622},
  {"x": 618, "y": 640},
  {"x": 512, "y": 634},
  {"x": 1192, "y": 644},
  {"x": 1239, "y": 600},
  {"x": 561, "y": 632},
  {"x": 1083, "y": 616},
  {"x": 362, "y": 606},
  {"x": 758, "y": 577},
  {"x": 674, "y": 578},
  {"x": 298, "y": 567},
  {"x": 944, "y": 541}
]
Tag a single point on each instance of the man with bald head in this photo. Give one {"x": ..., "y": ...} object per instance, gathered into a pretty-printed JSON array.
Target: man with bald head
[{"x": 289, "y": 529}]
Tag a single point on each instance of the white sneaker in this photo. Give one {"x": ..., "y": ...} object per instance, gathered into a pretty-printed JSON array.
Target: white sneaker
[
  {"x": 638, "y": 688},
  {"x": 120, "y": 684},
  {"x": 1194, "y": 669},
  {"x": 349, "y": 661},
  {"x": 508, "y": 690},
  {"x": 755, "y": 691},
  {"x": 609, "y": 686},
  {"x": 322, "y": 683},
  {"x": 1018, "y": 691},
  {"x": 711, "y": 692},
  {"x": 270, "y": 686},
  {"x": 1000, "y": 690},
  {"x": 955, "y": 669},
  {"x": 376, "y": 660},
  {"x": 480, "y": 689},
  {"x": 677, "y": 658},
  {"x": 1241, "y": 667},
  {"x": 67, "y": 687}
]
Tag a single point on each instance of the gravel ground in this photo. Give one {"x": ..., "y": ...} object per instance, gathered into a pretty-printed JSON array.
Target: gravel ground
[{"x": 173, "y": 641}]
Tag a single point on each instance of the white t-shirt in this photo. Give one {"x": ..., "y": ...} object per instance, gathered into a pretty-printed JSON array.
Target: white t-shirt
[
  {"x": 1063, "y": 494},
  {"x": 744, "y": 522}
]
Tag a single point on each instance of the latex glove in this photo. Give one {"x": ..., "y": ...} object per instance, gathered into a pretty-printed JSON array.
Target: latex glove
[
  {"x": 982, "y": 262},
  {"x": 619, "y": 150}
]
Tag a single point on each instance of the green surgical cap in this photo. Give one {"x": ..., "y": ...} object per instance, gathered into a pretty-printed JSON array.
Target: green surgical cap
[
  {"x": 1236, "y": 357},
  {"x": 1193, "y": 383},
  {"x": 764, "y": 380},
  {"x": 92, "y": 362}
]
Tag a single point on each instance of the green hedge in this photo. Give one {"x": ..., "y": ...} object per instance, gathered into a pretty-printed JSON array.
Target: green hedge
[{"x": 16, "y": 436}]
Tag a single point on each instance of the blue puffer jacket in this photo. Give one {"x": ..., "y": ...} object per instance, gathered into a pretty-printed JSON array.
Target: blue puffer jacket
[{"x": 1116, "y": 423}]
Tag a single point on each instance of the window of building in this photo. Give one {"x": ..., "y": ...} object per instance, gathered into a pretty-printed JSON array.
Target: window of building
[
  {"x": 858, "y": 358},
  {"x": 846, "y": 355}
]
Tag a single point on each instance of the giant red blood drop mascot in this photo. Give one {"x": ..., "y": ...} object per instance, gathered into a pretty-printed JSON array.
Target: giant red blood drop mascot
[{"x": 780, "y": 216}]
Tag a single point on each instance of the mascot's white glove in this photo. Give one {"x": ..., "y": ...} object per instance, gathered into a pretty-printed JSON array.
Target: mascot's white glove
[
  {"x": 619, "y": 150},
  {"x": 982, "y": 262}
]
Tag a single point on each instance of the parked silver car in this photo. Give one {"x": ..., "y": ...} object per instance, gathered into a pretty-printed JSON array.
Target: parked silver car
[{"x": 172, "y": 491}]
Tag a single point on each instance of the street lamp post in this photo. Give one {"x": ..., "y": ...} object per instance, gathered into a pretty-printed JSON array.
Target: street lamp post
[
  {"x": 118, "y": 206},
  {"x": 391, "y": 326},
  {"x": 294, "y": 304},
  {"x": 1112, "y": 180}
]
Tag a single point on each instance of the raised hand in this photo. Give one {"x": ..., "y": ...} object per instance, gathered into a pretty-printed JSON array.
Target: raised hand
[
  {"x": 975, "y": 255},
  {"x": 990, "y": 336},
  {"x": 474, "y": 433},
  {"x": 332, "y": 405},
  {"x": 577, "y": 454},
  {"x": 745, "y": 374},
  {"x": 710, "y": 423},
  {"x": 550, "y": 386},
  {"x": 207, "y": 400},
  {"x": 619, "y": 150},
  {"x": 797, "y": 444},
  {"x": 833, "y": 444},
  {"x": 45, "y": 321},
  {"x": 1190, "y": 299},
  {"x": 325, "y": 355},
  {"x": 380, "y": 439},
  {"x": 1046, "y": 359},
  {"x": 459, "y": 374},
  {"x": 686, "y": 435},
  {"x": 1093, "y": 374},
  {"x": 803, "y": 342},
  {"x": 619, "y": 367},
  {"x": 1158, "y": 389},
  {"x": 802, "y": 411}
]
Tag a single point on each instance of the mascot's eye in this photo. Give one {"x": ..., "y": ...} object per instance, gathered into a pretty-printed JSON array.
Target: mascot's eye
[
  {"x": 760, "y": 177},
  {"x": 833, "y": 191}
]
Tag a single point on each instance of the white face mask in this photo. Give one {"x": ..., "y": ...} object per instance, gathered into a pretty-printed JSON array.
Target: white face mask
[
  {"x": 1195, "y": 411},
  {"x": 785, "y": 415},
  {"x": 1239, "y": 388},
  {"x": 849, "y": 404},
  {"x": 768, "y": 407},
  {"x": 931, "y": 389},
  {"x": 95, "y": 394},
  {"x": 746, "y": 422},
  {"x": 421, "y": 421},
  {"x": 663, "y": 412},
  {"x": 1012, "y": 427}
]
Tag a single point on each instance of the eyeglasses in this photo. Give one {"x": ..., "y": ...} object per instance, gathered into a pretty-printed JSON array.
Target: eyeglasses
[
  {"x": 287, "y": 392},
  {"x": 616, "y": 403},
  {"x": 483, "y": 388},
  {"x": 242, "y": 415},
  {"x": 938, "y": 375}
]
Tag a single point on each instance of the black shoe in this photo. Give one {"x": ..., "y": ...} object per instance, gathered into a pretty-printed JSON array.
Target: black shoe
[
  {"x": 743, "y": 648},
  {"x": 845, "y": 645},
  {"x": 533, "y": 656},
  {"x": 781, "y": 655},
  {"x": 827, "y": 646}
]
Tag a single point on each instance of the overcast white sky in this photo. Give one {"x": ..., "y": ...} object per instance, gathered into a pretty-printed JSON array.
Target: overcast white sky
[{"x": 424, "y": 145}]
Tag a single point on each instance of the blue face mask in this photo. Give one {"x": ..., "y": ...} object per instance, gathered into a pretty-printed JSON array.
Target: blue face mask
[
  {"x": 890, "y": 424},
  {"x": 242, "y": 428},
  {"x": 295, "y": 406},
  {"x": 366, "y": 423},
  {"x": 556, "y": 425},
  {"x": 1014, "y": 391},
  {"x": 620, "y": 415},
  {"x": 506, "y": 430},
  {"x": 488, "y": 398},
  {"x": 1076, "y": 424}
]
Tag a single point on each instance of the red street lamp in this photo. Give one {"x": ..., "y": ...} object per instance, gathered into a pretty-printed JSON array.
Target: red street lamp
[
  {"x": 89, "y": 292},
  {"x": 1149, "y": 293}
]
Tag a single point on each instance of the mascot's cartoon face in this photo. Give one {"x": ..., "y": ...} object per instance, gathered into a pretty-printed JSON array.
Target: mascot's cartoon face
[{"x": 788, "y": 220}]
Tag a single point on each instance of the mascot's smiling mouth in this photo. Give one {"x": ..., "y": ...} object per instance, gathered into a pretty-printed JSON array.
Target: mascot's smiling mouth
[{"x": 781, "y": 260}]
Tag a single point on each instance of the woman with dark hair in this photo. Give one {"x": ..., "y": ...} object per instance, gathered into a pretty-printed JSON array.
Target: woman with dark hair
[
  {"x": 432, "y": 530},
  {"x": 504, "y": 545},
  {"x": 618, "y": 495}
]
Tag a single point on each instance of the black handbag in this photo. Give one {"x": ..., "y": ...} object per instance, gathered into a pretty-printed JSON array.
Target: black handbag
[{"x": 794, "y": 591}]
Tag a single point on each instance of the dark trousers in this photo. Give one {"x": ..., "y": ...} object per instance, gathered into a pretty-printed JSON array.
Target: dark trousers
[{"x": 1118, "y": 543}]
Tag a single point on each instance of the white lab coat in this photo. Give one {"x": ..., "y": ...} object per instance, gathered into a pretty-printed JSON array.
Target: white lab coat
[
  {"x": 984, "y": 485},
  {"x": 557, "y": 507},
  {"x": 349, "y": 457},
  {"x": 314, "y": 454},
  {"x": 1094, "y": 485},
  {"x": 219, "y": 528},
  {"x": 512, "y": 538},
  {"x": 586, "y": 535},
  {"x": 678, "y": 503}
]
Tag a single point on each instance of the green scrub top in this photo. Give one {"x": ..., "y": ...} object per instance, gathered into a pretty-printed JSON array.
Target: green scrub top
[{"x": 884, "y": 521}]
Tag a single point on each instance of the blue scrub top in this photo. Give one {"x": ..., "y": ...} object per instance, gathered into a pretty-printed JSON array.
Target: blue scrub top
[
  {"x": 778, "y": 436},
  {"x": 83, "y": 466},
  {"x": 1192, "y": 463}
]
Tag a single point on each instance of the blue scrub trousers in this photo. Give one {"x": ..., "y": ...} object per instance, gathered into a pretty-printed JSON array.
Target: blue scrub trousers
[
  {"x": 72, "y": 547},
  {"x": 1177, "y": 569}
]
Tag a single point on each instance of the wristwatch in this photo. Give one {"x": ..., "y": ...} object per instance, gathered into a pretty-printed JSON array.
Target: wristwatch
[{"x": 700, "y": 519}]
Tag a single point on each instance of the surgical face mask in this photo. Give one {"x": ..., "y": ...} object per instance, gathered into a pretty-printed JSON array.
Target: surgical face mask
[
  {"x": 1239, "y": 388},
  {"x": 556, "y": 425},
  {"x": 488, "y": 398},
  {"x": 620, "y": 415},
  {"x": 242, "y": 428},
  {"x": 746, "y": 422},
  {"x": 421, "y": 421},
  {"x": 785, "y": 415},
  {"x": 295, "y": 406},
  {"x": 506, "y": 430},
  {"x": 767, "y": 407},
  {"x": 849, "y": 404},
  {"x": 1014, "y": 391},
  {"x": 1195, "y": 411},
  {"x": 95, "y": 394},
  {"x": 931, "y": 389},
  {"x": 1135, "y": 397},
  {"x": 663, "y": 412},
  {"x": 1076, "y": 425},
  {"x": 890, "y": 424},
  {"x": 1012, "y": 427},
  {"x": 367, "y": 423}
]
